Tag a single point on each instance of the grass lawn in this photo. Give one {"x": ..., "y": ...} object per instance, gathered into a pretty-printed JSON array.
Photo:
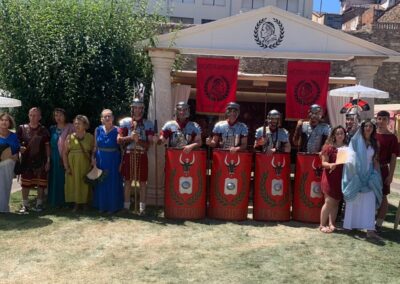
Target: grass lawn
[
  {"x": 397, "y": 170},
  {"x": 58, "y": 246}
]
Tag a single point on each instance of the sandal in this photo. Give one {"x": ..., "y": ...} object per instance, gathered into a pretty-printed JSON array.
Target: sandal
[
  {"x": 372, "y": 235},
  {"x": 325, "y": 229}
]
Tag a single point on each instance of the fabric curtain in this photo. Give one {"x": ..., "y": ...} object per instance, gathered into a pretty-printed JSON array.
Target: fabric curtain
[
  {"x": 334, "y": 105},
  {"x": 180, "y": 93}
]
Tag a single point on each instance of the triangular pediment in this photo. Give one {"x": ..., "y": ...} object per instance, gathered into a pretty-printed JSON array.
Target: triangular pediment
[{"x": 272, "y": 33}]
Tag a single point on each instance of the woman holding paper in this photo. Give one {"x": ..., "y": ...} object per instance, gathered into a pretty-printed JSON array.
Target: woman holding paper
[
  {"x": 362, "y": 182},
  {"x": 331, "y": 178}
]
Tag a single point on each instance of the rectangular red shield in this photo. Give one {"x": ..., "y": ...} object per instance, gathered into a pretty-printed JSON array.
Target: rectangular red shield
[
  {"x": 216, "y": 84},
  {"x": 306, "y": 84}
]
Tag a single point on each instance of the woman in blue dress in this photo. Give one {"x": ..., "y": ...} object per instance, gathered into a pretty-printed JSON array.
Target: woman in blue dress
[
  {"x": 8, "y": 141},
  {"x": 58, "y": 134},
  {"x": 108, "y": 194}
]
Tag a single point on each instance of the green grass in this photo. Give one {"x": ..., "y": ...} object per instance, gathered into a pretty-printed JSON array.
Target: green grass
[
  {"x": 59, "y": 246},
  {"x": 397, "y": 170}
]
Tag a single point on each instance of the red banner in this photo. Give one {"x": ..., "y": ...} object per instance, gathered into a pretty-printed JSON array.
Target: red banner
[
  {"x": 306, "y": 84},
  {"x": 216, "y": 84}
]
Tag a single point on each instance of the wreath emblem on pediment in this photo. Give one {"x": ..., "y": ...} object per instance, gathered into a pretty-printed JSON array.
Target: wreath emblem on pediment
[{"x": 269, "y": 34}]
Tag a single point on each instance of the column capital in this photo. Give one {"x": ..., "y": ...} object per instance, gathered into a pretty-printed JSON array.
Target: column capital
[
  {"x": 365, "y": 68},
  {"x": 162, "y": 57},
  {"x": 368, "y": 60}
]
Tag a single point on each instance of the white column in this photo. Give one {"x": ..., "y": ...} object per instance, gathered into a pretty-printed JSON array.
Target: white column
[
  {"x": 160, "y": 108},
  {"x": 365, "y": 69}
]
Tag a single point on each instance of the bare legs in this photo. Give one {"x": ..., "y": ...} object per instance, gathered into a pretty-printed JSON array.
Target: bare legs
[
  {"x": 127, "y": 195},
  {"x": 382, "y": 211},
  {"x": 328, "y": 214}
]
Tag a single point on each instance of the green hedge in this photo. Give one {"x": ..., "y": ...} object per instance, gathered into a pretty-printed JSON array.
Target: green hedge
[{"x": 79, "y": 55}]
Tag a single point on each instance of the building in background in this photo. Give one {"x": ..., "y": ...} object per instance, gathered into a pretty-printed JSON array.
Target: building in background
[
  {"x": 204, "y": 11},
  {"x": 328, "y": 19},
  {"x": 383, "y": 4},
  {"x": 366, "y": 16}
]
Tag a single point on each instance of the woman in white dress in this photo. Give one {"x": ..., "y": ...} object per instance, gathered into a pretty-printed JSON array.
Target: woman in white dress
[{"x": 362, "y": 182}]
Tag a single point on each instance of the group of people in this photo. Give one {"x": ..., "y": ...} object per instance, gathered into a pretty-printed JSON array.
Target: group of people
[
  {"x": 363, "y": 180},
  {"x": 59, "y": 159}
]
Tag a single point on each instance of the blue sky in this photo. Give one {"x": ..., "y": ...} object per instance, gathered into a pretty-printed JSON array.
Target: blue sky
[{"x": 331, "y": 6}]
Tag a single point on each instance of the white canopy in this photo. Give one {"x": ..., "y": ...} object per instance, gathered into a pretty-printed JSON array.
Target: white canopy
[
  {"x": 359, "y": 91},
  {"x": 6, "y": 101}
]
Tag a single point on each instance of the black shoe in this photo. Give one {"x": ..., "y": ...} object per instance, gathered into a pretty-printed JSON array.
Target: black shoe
[
  {"x": 378, "y": 229},
  {"x": 38, "y": 208}
]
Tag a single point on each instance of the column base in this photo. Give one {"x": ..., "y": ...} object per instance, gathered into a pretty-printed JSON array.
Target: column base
[{"x": 155, "y": 196}]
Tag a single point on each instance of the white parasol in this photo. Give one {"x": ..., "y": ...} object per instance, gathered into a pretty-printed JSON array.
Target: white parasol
[
  {"x": 6, "y": 101},
  {"x": 359, "y": 91}
]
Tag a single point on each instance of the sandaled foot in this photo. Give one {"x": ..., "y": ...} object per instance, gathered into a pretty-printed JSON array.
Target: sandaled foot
[
  {"x": 372, "y": 235},
  {"x": 325, "y": 229}
]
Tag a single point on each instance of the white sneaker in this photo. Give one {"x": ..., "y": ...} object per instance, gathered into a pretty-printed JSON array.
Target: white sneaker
[{"x": 142, "y": 209}]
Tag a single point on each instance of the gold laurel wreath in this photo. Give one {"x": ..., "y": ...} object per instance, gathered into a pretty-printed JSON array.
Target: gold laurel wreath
[
  {"x": 267, "y": 198},
  {"x": 222, "y": 199},
  {"x": 179, "y": 200},
  {"x": 303, "y": 196}
]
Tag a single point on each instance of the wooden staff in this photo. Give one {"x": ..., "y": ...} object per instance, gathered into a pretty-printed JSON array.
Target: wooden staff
[
  {"x": 134, "y": 126},
  {"x": 264, "y": 134},
  {"x": 155, "y": 152}
]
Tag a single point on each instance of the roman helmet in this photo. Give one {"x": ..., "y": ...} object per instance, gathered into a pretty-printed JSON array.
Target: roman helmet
[
  {"x": 352, "y": 112},
  {"x": 273, "y": 114},
  {"x": 315, "y": 111},
  {"x": 232, "y": 105},
  {"x": 137, "y": 103},
  {"x": 182, "y": 106}
]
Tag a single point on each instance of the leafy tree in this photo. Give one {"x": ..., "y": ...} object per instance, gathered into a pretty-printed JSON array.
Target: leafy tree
[{"x": 82, "y": 56}]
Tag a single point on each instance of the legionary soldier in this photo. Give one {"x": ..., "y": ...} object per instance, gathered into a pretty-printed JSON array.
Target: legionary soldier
[
  {"x": 181, "y": 133},
  {"x": 352, "y": 122},
  {"x": 229, "y": 134},
  {"x": 272, "y": 138},
  {"x": 134, "y": 136},
  {"x": 311, "y": 135}
]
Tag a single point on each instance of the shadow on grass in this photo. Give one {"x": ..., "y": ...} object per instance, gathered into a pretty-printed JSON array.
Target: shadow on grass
[{"x": 13, "y": 221}]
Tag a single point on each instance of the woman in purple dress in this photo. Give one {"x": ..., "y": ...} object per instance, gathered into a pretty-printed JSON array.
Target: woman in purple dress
[{"x": 108, "y": 194}]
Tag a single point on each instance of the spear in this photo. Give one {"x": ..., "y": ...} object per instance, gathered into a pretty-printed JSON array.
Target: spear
[
  {"x": 155, "y": 144},
  {"x": 265, "y": 116}
]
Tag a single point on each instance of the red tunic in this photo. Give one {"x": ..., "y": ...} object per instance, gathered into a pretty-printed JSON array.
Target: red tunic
[
  {"x": 34, "y": 159},
  {"x": 331, "y": 183},
  {"x": 387, "y": 146}
]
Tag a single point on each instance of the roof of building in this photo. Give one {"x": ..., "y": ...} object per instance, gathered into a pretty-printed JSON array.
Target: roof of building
[
  {"x": 391, "y": 15},
  {"x": 270, "y": 32}
]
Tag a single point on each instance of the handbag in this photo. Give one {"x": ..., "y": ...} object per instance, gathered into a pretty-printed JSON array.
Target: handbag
[{"x": 95, "y": 175}]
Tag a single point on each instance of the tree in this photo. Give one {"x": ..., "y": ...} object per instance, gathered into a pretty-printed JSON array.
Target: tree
[{"x": 82, "y": 56}]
